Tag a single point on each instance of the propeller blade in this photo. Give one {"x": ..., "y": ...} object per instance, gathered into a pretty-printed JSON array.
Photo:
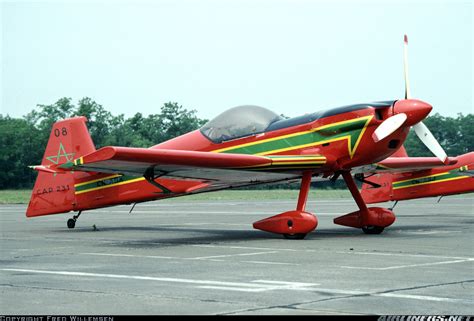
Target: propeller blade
[
  {"x": 389, "y": 126},
  {"x": 421, "y": 130},
  {"x": 430, "y": 141},
  {"x": 405, "y": 67}
]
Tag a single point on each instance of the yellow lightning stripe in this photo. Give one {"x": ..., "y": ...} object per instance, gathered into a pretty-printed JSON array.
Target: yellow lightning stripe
[
  {"x": 352, "y": 152},
  {"x": 111, "y": 185},
  {"x": 270, "y": 165},
  {"x": 298, "y": 159},
  {"x": 302, "y": 162},
  {"x": 283, "y": 157},
  {"x": 428, "y": 176},
  {"x": 280, "y": 168},
  {"x": 96, "y": 180},
  {"x": 305, "y": 145},
  {"x": 432, "y": 182},
  {"x": 303, "y": 133},
  {"x": 303, "y": 159}
]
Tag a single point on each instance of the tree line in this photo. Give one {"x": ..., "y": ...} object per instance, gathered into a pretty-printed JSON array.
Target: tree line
[{"x": 23, "y": 140}]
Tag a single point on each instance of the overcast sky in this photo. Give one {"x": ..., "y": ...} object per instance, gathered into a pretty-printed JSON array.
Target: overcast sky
[{"x": 292, "y": 56}]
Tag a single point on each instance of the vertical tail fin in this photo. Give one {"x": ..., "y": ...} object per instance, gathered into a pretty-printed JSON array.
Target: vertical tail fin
[
  {"x": 384, "y": 193},
  {"x": 54, "y": 192}
]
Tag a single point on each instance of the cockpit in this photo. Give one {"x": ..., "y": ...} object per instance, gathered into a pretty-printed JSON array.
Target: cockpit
[
  {"x": 243, "y": 121},
  {"x": 237, "y": 122}
]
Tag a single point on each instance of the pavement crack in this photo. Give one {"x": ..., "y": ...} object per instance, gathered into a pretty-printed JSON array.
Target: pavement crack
[
  {"x": 290, "y": 307},
  {"x": 293, "y": 306},
  {"x": 424, "y": 286},
  {"x": 117, "y": 294},
  {"x": 387, "y": 291},
  {"x": 297, "y": 305},
  {"x": 51, "y": 289}
]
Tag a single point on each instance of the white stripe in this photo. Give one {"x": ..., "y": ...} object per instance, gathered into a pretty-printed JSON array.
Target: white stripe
[
  {"x": 422, "y": 297},
  {"x": 406, "y": 255},
  {"x": 269, "y": 263},
  {"x": 180, "y": 258},
  {"x": 248, "y": 287},
  {"x": 404, "y": 266},
  {"x": 426, "y": 232},
  {"x": 295, "y": 288},
  {"x": 227, "y": 288},
  {"x": 230, "y": 255},
  {"x": 284, "y": 283},
  {"x": 211, "y": 258},
  {"x": 251, "y": 248},
  {"x": 131, "y": 255}
]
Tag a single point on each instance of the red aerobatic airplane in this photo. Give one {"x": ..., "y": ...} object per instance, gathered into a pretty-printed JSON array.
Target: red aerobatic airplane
[{"x": 246, "y": 145}]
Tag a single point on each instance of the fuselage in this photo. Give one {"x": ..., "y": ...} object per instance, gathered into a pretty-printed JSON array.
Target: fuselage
[{"x": 342, "y": 134}]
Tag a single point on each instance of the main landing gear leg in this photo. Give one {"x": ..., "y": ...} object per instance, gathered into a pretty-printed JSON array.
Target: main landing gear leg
[
  {"x": 71, "y": 223},
  {"x": 371, "y": 220},
  {"x": 292, "y": 224}
]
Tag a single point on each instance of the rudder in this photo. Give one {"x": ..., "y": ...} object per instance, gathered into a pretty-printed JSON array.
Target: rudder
[{"x": 54, "y": 192}]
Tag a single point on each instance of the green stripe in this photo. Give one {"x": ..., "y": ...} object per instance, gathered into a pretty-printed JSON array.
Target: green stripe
[
  {"x": 451, "y": 174},
  {"x": 67, "y": 165},
  {"x": 105, "y": 182},
  {"x": 352, "y": 129}
]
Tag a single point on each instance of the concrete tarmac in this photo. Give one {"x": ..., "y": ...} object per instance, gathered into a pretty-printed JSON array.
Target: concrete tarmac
[{"x": 203, "y": 257}]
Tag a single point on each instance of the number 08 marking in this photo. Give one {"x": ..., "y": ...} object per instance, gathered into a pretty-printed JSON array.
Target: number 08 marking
[{"x": 60, "y": 132}]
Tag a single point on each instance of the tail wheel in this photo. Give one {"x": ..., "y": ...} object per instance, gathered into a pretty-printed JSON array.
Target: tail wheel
[
  {"x": 372, "y": 229},
  {"x": 71, "y": 223}
]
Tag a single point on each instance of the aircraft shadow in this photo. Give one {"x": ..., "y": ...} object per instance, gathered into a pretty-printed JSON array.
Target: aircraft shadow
[{"x": 175, "y": 235}]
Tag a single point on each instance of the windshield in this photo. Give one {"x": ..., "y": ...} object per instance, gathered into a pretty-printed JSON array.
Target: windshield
[{"x": 239, "y": 122}]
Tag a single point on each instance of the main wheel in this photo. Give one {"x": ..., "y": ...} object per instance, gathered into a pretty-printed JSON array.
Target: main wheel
[
  {"x": 71, "y": 223},
  {"x": 372, "y": 229},
  {"x": 296, "y": 236}
]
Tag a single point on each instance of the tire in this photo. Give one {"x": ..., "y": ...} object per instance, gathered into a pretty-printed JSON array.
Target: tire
[
  {"x": 71, "y": 223},
  {"x": 297, "y": 236},
  {"x": 372, "y": 229}
]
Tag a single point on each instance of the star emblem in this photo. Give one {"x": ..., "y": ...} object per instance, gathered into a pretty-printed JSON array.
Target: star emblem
[{"x": 61, "y": 153}]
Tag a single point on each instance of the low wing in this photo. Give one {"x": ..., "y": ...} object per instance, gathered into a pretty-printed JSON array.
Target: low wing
[{"x": 217, "y": 170}]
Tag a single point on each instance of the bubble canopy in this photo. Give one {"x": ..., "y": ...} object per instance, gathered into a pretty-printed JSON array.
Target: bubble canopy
[{"x": 237, "y": 122}]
